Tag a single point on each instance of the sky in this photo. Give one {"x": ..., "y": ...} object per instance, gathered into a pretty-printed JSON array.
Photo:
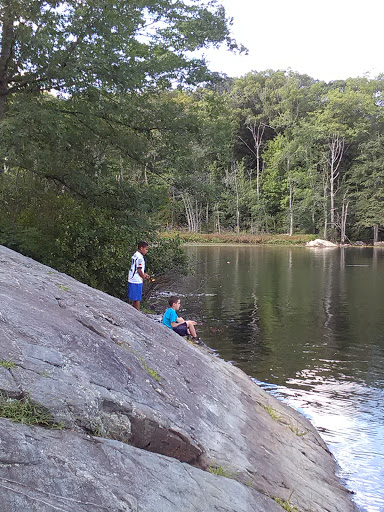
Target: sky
[{"x": 327, "y": 39}]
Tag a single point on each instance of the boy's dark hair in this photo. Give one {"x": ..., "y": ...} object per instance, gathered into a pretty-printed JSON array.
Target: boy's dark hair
[
  {"x": 142, "y": 244},
  {"x": 173, "y": 299}
]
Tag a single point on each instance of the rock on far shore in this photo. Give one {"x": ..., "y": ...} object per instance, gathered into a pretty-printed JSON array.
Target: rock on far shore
[
  {"x": 144, "y": 421},
  {"x": 320, "y": 243}
]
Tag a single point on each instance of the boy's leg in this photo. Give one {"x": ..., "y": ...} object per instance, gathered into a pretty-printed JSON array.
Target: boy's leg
[
  {"x": 136, "y": 304},
  {"x": 191, "y": 328},
  {"x": 135, "y": 291},
  {"x": 181, "y": 329}
]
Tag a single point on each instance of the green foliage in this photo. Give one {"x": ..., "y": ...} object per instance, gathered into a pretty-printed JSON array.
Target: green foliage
[
  {"x": 149, "y": 370},
  {"x": 45, "y": 375},
  {"x": 286, "y": 505},
  {"x": 87, "y": 228},
  {"x": 367, "y": 177},
  {"x": 26, "y": 411},
  {"x": 62, "y": 287},
  {"x": 165, "y": 260},
  {"x": 9, "y": 365},
  {"x": 242, "y": 238},
  {"x": 97, "y": 429},
  {"x": 219, "y": 471},
  {"x": 83, "y": 175},
  {"x": 120, "y": 46},
  {"x": 297, "y": 430},
  {"x": 272, "y": 412}
]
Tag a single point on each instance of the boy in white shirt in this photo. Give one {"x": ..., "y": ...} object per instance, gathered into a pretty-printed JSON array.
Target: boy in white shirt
[{"x": 137, "y": 275}]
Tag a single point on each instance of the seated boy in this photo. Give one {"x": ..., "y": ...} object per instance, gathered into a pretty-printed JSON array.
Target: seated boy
[{"x": 177, "y": 323}]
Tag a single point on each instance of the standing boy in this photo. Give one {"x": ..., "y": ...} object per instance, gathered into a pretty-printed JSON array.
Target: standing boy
[
  {"x": 137, "y": 275},
  {"x": 177, "y": 323}
]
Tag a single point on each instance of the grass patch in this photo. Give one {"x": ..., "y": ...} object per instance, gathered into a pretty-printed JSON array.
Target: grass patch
[
  {"x": 286, "y": 505},
  {"x": 239, "y": 238},
  {"x": 44, "y": 374},
  {"x": 27, "y": 412},
  {"x": 97, "y": 429},
  {"x": 272, "y": 412},
  {"x": 145, "y": 307},
  {"x": 62, "y": 287},
  {"x": 220, "y": 471},
  {"x": 9, "y": 365},
  {"x": 296, "y": 430},
  {"x": 277, "y": 417},
  {"x": 152, "y": 373},
  {"x": 147, "y": 311}
]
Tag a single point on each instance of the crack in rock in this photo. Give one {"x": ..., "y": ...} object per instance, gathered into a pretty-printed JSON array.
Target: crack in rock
[{"x": 89, "y": 325}]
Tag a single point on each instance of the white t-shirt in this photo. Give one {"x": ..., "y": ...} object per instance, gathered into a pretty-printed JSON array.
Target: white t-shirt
[{"x": 137, "y": 262}]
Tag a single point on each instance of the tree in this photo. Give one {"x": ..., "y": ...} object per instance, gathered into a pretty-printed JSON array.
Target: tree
[
  {"x": 367, "y": 179},
  {"x": 110, "y": 60},
  {"x": 344, "y": 118},
  {"x": 120, "y": 46},
  {"x": 255, "y": 97},
  {"x": 192, "y": 156},
  {"x": 287, "y": 182},
  {"x": 81, "y": 110}
]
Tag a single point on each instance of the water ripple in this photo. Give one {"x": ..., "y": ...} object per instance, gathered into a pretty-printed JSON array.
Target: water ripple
[{"x": 350, "y": 418}]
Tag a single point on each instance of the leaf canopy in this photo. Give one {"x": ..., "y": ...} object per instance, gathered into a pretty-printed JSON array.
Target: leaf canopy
[{"x": 118, "y": 45}]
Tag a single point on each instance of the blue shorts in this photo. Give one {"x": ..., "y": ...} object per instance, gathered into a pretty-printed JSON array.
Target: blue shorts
[
  {"x": 135, "y": 291},
  {"x": 181, "y": 329}
]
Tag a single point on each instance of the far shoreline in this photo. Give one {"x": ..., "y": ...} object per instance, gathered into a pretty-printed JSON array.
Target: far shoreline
[
  {"x": 227, "y": 238},
  {"x": 242, "y": 239}
]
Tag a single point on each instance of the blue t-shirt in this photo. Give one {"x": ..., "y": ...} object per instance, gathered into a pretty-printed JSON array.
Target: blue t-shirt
[{"x": 169, "y": 316}]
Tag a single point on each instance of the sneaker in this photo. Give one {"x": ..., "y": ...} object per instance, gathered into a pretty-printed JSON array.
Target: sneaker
[{"x": 198, "y": 341}]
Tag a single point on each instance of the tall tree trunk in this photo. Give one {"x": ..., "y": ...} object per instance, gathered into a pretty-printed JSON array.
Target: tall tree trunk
[
  {"x": 290, "y": 211},
  {"x": 237, "y": 204},
  {"x": 173, "y": 209},
  {"x": 189, "y": 213},
  {"x": 291, "y": 194},
  {"x": 145, "y": 175},
  {"x": 257, "y": 134},
  {"x": 325, "y": 204},
  {"x": 217, "y": 222},
  {"x": 6, "y": 53},
  {"x": 375, "y": 233},
  {"x": 344, "y": 215},
  {"x": 336, "y": 146},
  {"x": 197, "y": 217}
]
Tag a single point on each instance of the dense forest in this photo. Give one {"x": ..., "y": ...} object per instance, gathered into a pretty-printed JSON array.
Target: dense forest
[{"x": 112, "y": 129}]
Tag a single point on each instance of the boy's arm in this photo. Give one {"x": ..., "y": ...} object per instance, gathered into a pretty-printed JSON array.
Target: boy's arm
[
  {"x": 142, "y": 274},
  {"x": 178, "y": 321},
  {"x": 140, "y": 266}
]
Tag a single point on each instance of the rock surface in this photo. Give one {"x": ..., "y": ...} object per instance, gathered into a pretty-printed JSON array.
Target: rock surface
[
  {"x": 320, "y": 243},
  {"x": 145, "y": 413}
]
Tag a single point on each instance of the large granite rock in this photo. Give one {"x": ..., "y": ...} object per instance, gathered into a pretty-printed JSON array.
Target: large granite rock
[
  {"x": 164, "y": 413},
  {"x": 320, "y": 243},
  {"x": 45, "y": 470}
]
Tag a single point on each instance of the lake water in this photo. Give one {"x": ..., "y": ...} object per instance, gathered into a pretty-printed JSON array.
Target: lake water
[{"x": 308, "y": 325}]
